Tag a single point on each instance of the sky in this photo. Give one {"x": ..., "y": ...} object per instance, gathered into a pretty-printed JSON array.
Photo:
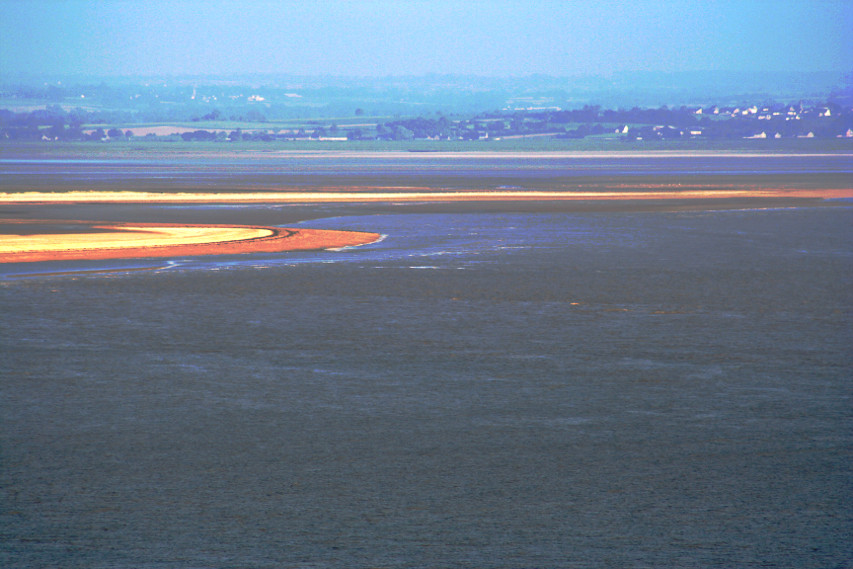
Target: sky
[{"x": 370, "y": 38}]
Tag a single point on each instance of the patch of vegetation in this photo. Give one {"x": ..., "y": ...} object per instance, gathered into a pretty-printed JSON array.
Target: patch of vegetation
[{"x": 599, "y": 129}]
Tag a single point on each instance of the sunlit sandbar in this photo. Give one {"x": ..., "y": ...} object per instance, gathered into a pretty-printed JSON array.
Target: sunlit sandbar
[
  {"x": 116, "y": 241},
  {"x": 128, "y": 236},
  {"x": 321, "y": 196}
]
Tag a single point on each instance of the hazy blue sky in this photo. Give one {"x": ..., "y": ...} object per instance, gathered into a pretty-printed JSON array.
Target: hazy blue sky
[{"x": 385, "y": 37}]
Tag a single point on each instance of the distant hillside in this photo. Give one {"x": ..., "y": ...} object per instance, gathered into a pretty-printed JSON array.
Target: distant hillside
[{"x": 270, "y": 97}]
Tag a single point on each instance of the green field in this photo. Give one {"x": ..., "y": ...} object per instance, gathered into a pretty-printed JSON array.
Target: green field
[{"x": 278, "y": 124}]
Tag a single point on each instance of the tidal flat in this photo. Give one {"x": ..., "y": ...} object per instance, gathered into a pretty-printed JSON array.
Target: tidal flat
[{"x": 495, "y": 383}]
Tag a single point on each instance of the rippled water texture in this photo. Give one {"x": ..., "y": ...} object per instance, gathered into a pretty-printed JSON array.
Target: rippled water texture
[{"x": 479, "y": 389}]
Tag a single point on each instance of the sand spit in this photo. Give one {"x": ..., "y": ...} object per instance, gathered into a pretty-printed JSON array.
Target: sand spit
[
  {"x": 151, "y": 240},
  {"x": 322, "y": 196}
]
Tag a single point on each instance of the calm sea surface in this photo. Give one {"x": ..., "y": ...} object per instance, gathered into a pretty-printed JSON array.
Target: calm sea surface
[
  {"x": 513, "y": 390},
  {"x": 261, "y": 170}
]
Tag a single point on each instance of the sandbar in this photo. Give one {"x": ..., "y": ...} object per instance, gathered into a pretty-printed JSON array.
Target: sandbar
[
  {"x": 114, "y": 240},
  {"x": 321, "y": 196},
  {"x": 153, "y": 240}
]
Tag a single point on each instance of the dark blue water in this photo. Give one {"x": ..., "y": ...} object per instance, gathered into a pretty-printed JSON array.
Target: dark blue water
[{"x": 476, "y": 390}]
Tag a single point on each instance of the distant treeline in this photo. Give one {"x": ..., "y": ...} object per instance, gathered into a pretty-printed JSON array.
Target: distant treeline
[{"x": 828, "y": 120}]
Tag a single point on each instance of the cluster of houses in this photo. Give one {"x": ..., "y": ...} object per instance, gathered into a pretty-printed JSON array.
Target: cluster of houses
[
  {"x": 789, "y": 112},
  {"x": 754, "y": 122}
]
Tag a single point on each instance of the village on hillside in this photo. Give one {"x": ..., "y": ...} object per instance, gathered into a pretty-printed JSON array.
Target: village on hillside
[
  {"x": 442, "y": 109},
  {"x": 823, "y": 121},
  {"x": 777, "y": 121}
]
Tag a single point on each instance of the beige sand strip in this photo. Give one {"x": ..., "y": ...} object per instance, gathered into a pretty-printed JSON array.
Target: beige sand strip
[
  {"x": 337, "y": 196},
  {"x": 128, "y": 236}
]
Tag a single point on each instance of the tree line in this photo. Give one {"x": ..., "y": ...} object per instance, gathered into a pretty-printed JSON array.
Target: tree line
[{"x": 826, "y": 120}]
